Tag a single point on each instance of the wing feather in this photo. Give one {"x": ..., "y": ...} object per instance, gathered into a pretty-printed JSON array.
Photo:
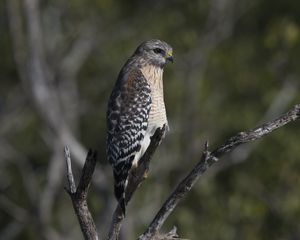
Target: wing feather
[{"x": 127, "y": 121}]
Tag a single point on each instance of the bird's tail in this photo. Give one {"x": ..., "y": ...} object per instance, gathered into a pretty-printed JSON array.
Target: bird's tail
[
  {"x": 120, "y": 196},
  {"x": 120, "y": 176}
]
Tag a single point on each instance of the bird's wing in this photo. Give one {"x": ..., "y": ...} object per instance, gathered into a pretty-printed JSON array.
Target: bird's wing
[{"x": 127, "y": 121}]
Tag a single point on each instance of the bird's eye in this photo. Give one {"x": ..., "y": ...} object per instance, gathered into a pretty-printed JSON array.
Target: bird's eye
[{"x": 158, "y": 51}]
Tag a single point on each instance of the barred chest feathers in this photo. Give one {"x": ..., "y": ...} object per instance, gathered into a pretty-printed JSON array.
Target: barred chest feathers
[{"x": 157, "y": 116}]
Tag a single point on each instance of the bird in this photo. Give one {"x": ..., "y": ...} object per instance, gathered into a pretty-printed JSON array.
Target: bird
[{"x": 136, "y": 108}]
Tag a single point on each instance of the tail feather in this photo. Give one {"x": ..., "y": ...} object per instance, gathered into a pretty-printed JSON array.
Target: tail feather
[
  {"x": 120, "y": 196},
  {"x": 120, "y": 175}
]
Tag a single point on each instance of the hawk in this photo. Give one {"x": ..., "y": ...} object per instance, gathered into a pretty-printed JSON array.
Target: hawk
[{"x": 136, "y": 109}]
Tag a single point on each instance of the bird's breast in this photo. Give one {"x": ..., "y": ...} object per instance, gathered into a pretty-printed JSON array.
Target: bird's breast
[{"x": 157, "y": 116}]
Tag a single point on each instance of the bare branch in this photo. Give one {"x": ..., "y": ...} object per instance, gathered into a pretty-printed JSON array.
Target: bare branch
[
  {"x": 208, "y": 159},
  {"x": 72, "y": 185},
  {"x": 135, "y": 178},
  {"x": 79, "y": 195},
  {"x": 264, "y": 129}
]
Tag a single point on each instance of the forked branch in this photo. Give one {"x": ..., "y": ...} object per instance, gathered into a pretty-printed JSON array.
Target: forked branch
[
  {"x": 207, "y": 159},
  {"x": 79, "y": 194}
]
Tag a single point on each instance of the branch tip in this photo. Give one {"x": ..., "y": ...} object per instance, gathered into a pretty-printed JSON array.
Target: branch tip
[
  {"x": 71, "y": 181},
  {"x": 67, "y": 151}
]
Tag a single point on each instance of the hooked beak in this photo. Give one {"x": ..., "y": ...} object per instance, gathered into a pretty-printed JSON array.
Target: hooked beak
[{"x": 169, "y": 56}]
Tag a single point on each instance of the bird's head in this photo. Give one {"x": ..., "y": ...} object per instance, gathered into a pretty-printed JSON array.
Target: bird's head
[{"x": 155, "y": 52}]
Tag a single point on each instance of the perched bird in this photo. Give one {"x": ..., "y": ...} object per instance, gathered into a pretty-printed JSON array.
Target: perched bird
[{"x": 136, "y": 109}]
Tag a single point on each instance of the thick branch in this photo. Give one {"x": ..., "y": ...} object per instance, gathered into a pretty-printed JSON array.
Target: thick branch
[
  {"x": 135, "y": 179},
  {"x": 79, "y": 195},
  {"x": 208, "y": 159}
]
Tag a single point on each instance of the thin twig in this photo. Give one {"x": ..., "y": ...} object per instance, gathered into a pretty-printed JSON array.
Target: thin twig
[{"x": 208, "y": 159}]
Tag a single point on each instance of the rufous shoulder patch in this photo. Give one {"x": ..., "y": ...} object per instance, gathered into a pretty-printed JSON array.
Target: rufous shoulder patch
[{"x": 130, "y": 79}]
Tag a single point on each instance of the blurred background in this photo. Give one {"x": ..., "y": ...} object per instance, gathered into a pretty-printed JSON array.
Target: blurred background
[{"x": 236, "y": 65}]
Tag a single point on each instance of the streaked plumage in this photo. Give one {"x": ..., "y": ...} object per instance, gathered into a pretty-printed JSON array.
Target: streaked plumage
[{"x": 135, "y": 109}]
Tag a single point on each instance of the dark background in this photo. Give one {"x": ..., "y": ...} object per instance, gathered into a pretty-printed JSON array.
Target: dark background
[{"x": 236, "y": 65}]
